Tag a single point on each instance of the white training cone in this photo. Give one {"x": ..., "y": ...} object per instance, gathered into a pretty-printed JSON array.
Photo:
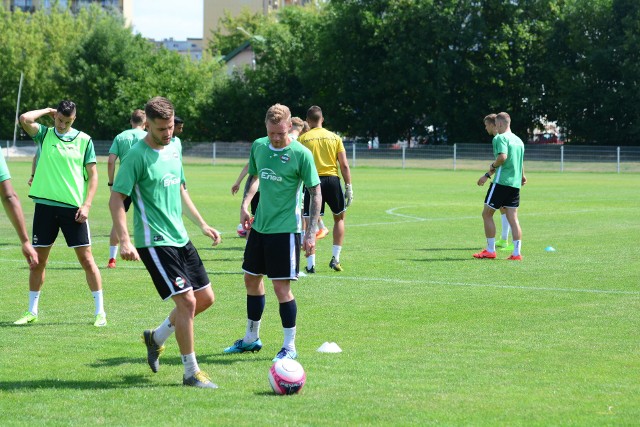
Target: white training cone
[{"x": 329, "y": 347}]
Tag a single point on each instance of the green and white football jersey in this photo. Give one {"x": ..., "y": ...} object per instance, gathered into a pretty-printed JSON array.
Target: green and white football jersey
[
  {"x": 281, "y": 172},
  {"x": 153, "y": 178}
]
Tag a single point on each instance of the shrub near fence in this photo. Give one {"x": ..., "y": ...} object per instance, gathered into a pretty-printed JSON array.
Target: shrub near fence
[{"x": 562, "y": 158}]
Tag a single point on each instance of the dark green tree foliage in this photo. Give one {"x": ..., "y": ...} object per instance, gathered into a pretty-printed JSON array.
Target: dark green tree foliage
[{"x": 38, "y": 45}]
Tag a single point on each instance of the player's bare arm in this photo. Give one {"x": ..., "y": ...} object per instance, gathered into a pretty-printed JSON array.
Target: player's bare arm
[
  {"x": 250, "y": 189},
  {"x": 111, "y": 167},
  {"x": 236, "y": 185},
  {"x": 28, "y": 120},
  {"x": 190, "y": 211},
  {"x": 315, "y": 200},
  {"x": 119, "y": 217},
  {"x": 92, "y": 186},
  {"x": 13, "y": 208}
]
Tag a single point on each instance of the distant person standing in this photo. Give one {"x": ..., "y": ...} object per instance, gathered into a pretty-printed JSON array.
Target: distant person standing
[
  {"x": 509, "y": 177},
  {"x": 503, "y": 242},
  {"x": 153, "y": 175},
  {"x": 281, "y": 166},
  {"x": 122, "y": 143},
  {"x": 329, "y": 155},
  {"x": 178, "y": 126},
  {"x": 63, "y": 188}
]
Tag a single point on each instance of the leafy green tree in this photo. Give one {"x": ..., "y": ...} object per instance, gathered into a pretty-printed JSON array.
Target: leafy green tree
[{"x": 38, "y": 45}]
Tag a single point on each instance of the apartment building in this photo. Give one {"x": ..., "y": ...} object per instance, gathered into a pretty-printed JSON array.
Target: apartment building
[
  {"x": 214, "y": 10},
  {"x": 124, "y": 6}
]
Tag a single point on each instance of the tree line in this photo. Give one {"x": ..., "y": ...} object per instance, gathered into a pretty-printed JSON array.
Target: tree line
[{"x": 395, "y": 69}]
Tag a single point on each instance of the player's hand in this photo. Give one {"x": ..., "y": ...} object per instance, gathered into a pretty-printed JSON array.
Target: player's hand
[
  {"x": 30, "y": 181},
  {"x": 128, "y": 252},
  {"x": 348, "y": 195},
  {"x": 309, "y": 243},
  {"x": 524, "y": 180},
  {"x": 245, "y": 218},
  {"x": 82, "y": 214},
  {"x": 30, "y": 254},
  {"x": 213, "y": 234},
  {"x": 235, "y": 188},
  {"x": 482, "y": 180}
]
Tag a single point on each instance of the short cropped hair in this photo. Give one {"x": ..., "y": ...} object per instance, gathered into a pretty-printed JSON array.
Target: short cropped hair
[
  {"x": 138, "y": 117},
  {"x": 277, "y": 113},
  {"x": 491, "y": 118},
  {"x": 297, "y": 123},
  {"x": 177, "y": 120},
  {"x": 66, "y": 108},
  {"x": 159, "y": 108},
  {"x": 504, "y": 118},
  {"x": 314, "y": 114}
]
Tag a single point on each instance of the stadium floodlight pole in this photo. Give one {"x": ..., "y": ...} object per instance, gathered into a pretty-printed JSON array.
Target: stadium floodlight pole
[{"x": 15, "y": 125}]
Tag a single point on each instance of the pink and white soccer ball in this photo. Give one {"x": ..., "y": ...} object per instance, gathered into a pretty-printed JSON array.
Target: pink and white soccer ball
[
  {"x": 287, "y": 376},
  {"x": 241, "y": 231}
]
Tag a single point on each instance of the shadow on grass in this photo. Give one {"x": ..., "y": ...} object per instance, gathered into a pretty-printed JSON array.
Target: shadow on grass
[
  {"x": 211, "y": 359},
  {"x": 47, "y": 324},
  {"x": 448, "y": 249},
  {"x": 225, "y": 248},
  {"x": 127, "y": 381}
]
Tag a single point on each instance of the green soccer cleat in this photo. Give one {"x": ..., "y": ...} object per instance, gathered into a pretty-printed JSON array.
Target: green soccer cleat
[
  {"x": 335, "y": 264},
  {"x": 26, "y": 319},
  {"x": 200, "y": 379},
  {"x": 153, "y": 350},
  {"x": 501, "y": 243},
  {"x": 101, "y": 320},
  {"x": 240, "y": 347}
]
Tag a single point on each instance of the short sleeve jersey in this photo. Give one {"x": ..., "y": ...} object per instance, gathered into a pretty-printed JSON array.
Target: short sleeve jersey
[
  {"x": 153, "y": 178},
  {"x": 4, "y": 170},
  {"x": 123, "y": 142},
  {"x": 281, "y": 173},
  {"x": 325, "y": 146},
  {"x": 510, "y": 172}
]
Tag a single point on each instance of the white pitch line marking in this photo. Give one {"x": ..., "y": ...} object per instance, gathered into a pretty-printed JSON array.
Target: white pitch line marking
[{"x": 487, "y": 285}]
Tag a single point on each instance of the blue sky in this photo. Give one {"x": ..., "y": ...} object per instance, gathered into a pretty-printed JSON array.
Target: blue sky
[{"x": 162, "y": 19}]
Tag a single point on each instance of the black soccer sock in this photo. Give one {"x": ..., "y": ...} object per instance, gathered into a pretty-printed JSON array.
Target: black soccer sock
[
  {"x": 288, "y": 313},
  {"x": 255, "y": 307}
]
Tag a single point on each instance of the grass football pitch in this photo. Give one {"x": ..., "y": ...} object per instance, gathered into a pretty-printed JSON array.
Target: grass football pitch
[{"x": 430, "y": 336}]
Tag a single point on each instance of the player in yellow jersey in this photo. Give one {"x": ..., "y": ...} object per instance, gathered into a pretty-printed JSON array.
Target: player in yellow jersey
[{"x": 329, "y": 156}]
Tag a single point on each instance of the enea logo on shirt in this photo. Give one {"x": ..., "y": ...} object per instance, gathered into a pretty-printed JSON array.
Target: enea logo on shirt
[
  {"x": 170, "y": 179},
  {"x": 269, "y": 175}
]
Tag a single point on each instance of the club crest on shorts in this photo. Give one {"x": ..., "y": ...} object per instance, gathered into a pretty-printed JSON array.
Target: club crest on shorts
[{"x": 179, "y": 282}]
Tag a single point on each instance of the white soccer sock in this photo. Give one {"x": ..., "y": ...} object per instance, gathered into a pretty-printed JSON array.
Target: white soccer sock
[
  {"x": 97, "y": 298},
  {"x": 505, "y": 227},
  {"x": 163, "y": 332},
  {"x": 190, "y": 364},
  {"x": 253, "y": 331},
  {"x": 491, "y": 244},
  {"x": 311, "y": 261},
  {"x": 289, "y": 338},
  {"x": 336, "y": 252},
  {"x": 34, "y": 298},
  {"x": 517, "y": 244},
  {"x": 113, "y": 251}
]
